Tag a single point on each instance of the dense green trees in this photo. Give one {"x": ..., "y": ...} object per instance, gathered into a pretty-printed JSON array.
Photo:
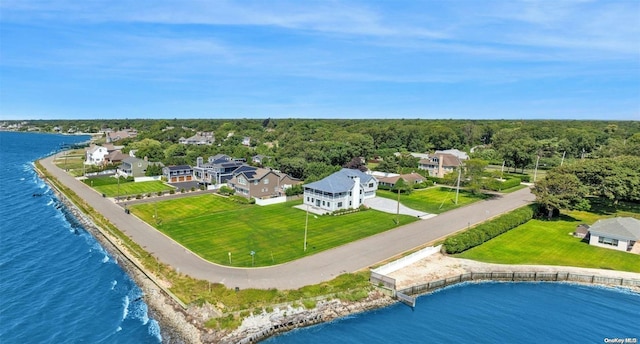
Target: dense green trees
[
  {"x": 567, "y": 187},
  {"x": 292, "y": 144}
]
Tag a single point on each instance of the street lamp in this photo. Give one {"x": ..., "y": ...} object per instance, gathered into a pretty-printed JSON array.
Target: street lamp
[{"x": 253, "y": 254}]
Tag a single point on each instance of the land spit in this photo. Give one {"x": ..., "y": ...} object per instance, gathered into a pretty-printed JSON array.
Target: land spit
[{"x": 186, "y": 325}]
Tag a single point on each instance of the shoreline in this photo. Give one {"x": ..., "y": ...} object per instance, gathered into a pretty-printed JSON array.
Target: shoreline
[{"x": 180, "y": 325}]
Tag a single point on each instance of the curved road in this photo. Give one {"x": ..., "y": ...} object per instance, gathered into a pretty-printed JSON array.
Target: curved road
[{"x": 309, "y": 270}]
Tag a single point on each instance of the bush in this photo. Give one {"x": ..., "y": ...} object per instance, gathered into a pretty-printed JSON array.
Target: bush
[
  {"x": 488, "y": 230},
  {"x": 172, "y": 191},
  {"x": 496, "y": 185},
  {"x": 225, "y": 190},
  {"x": 241, "y": 200}
]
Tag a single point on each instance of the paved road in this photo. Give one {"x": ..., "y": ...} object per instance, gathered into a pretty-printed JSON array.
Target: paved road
[{"x": 309, "y": 270}]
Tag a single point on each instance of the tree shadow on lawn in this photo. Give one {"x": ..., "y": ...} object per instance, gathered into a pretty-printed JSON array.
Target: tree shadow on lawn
[{"x": 604, "y": 206}]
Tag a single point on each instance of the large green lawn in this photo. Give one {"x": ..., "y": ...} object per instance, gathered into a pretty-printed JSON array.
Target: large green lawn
[
  {"x": 549, "y": 243},
  {"x": 131, "y": 188},
  {"x": 212, "y": 226},
  {"x": 433, "y": 200}
]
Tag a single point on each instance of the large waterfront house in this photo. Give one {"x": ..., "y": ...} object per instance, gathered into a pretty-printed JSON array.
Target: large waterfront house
[
  {"x": 178, "y": 174},
  {"x": 260, "y": 183},
  {"x": 618, "y": 233},
  {"x": 95, "y": 155},
  {"x": 440, "y": 164},
  {"x": 345, "y": 189},
  {"x": 217, "y": 170},
  {"x": 133, "y": 167},
  {"x": 200, "y": 138}
]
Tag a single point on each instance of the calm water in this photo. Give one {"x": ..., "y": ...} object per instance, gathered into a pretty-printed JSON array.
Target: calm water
[
  {"x": 57, "y": 285},
  {"x": 491, "y": 313}
]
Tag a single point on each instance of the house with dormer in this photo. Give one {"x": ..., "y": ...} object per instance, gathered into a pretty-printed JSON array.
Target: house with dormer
[
  {"x": 95, "y": 155},
  {"x": 218, "y": 169},
  {"x": 345, "y": 189},
  {"x": 440, "y": 164}
]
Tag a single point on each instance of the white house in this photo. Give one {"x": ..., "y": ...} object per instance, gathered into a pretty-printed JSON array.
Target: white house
[
  {"x": 345, "y": 189},
  {"x": 618, "y": 233},
  {"x": 95, "y": 155}
]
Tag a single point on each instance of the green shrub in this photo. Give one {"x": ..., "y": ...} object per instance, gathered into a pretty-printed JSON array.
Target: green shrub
[
  {"x": 172, "y": 191},
  {"x": 488, "y": 230},
  {"x": 309, "y": 304},
  {"x": 225, "y": 190}
]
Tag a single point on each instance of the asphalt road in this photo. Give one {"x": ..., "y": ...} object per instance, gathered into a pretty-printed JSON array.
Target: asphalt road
[{"x": 309, "y": 270}]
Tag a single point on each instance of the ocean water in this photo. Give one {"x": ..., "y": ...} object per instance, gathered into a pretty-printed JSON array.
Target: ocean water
[
  {"x": 57, "y": 284},
  {"x": 491, "y": 313}
]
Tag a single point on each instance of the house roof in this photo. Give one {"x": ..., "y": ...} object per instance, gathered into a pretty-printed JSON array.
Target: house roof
[
  {"x": 460, "y": 154},
  {"x": 179, "y": 167},
  {"x": 411, "y": 177},
  {"x": 116, "y": 155},
  {"x": 626, "y": 228},
  {"x": 341, "y": 181}
]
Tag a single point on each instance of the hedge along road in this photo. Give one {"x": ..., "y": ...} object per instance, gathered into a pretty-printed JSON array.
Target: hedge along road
[{"x": 314, "y": 269}]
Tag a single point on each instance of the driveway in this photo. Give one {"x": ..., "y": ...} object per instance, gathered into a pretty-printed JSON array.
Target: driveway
[
  {"x": 390, "y": 206},
  {"x": 313, "y": 269}
]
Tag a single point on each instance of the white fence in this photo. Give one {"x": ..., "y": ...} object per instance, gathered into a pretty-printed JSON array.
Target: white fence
[
  {"x": 269, "y": 201},
  {"x": 408, "y": 260},
  {"x": 146, "y": 179}
]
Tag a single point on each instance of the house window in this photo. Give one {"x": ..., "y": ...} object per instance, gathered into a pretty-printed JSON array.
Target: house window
[
  {"x": 329, "y": 204},
  {"x": 370, "y": 185},
  {"x": 339, "y": 204},
  {"x": 323, "y": 203},
  {"x": 307, "y": 198},
  {"x": 608, "y": 241},
  {"x": 266, "y": 181}
]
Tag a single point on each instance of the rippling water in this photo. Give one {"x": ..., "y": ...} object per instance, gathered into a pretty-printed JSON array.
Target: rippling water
[{"x": 57, "y": 284}]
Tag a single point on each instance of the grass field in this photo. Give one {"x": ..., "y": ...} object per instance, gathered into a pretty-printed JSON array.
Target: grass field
[
  {"x": 434, "y": 200},
  {"x": 131, "y": 188},
  {"x": 549, "y": 243},
  {"x": 72, "y": 161},
  {"x": 212, "y": 226}
]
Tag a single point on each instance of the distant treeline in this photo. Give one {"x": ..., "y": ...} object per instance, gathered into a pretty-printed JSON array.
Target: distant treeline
[{"x": 314, "y": 147}]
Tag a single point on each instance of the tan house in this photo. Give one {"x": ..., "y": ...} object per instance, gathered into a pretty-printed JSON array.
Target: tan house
[
  {"x": 411, "y": 178},
  {"x": 440, "y": 164},
  {"x": 261, "y": 183}
]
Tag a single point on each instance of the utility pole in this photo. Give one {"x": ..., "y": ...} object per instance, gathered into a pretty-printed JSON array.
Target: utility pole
[
  {"x": 535, "y": 172},
  {"x": 458, "y": 185},
  {"x": 398, "y": 208},
  {"x": 306, "y": 225}
]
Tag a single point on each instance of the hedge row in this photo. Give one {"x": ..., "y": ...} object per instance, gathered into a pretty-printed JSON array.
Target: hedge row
[
  {"x": 524, "y": 177},
  {"x": 496, "y": 185},
  {"x": 488, "y": 230}
]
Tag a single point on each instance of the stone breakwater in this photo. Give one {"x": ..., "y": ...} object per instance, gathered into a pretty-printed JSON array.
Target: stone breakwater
[
  {"x": 186, "y": 326},
  {"x": 257, "y": 327}
]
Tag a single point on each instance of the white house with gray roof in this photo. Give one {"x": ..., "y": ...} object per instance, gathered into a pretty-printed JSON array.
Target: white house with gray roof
[
  {"x": 345, "y": 189},
  {"x": 618, "y": 233}
]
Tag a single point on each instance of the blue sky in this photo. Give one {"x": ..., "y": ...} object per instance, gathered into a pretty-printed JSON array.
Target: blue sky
[{"x": 320, "y": 59}]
